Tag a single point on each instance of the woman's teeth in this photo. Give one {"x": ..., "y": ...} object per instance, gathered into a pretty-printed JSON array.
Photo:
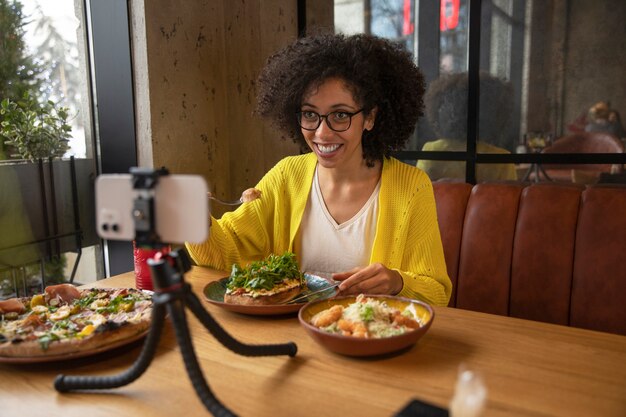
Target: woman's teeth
[{"x": 328, "y": 148}]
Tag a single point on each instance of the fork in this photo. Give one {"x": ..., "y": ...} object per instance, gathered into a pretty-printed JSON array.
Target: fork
[
  {"x": 307, "y": 296},
  {"x": 224, "y": 202}
]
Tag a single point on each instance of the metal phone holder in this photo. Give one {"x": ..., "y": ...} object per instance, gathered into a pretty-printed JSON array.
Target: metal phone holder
[{"x": 172, "y": 295}]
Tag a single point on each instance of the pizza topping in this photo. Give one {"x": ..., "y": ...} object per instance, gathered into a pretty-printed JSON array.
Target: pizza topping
[
  {"x": 99, "y": 303},
  {"x": 87, "y": 330},
  {"x": 32, "y": 320},
  {"x": 12, "y": 305},
  {"x": 37, "y": 300},
  {"x": 61, "y": 313},
  {"x": 96, "y": 320},
  {"x": 63, "y": 292},
  {"x": 13, "y": 315},
  {"x": 41, "y": 309}
]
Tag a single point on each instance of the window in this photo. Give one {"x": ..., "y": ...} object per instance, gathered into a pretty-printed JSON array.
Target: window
[
  {"x": 46, "y": 207},
  {"x": 535, "y": 66}
]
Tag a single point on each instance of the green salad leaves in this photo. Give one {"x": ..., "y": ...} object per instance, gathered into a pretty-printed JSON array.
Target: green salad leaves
[{"x": 265, "y": 274}]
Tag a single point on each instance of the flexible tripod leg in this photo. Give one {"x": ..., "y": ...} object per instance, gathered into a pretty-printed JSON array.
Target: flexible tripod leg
[
  {"x": 227, "y": 340},
  {"x": 215, "y": 407},
  {"x": 64, "y": 383}
]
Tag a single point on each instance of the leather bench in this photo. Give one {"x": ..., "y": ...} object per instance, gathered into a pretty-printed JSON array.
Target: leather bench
[{"x": 549, "y": 252}]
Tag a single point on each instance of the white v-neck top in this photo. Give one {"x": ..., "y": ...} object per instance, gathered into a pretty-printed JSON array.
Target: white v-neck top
[{"x": 324, "y": 246}]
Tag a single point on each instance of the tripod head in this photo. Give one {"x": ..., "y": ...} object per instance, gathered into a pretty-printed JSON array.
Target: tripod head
[
  {"x": 152, "y": 207},
  {"x": 144, "y": 180}
]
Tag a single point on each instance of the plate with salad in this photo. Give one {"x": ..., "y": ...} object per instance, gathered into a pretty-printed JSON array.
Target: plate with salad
[{"x": 266, "y": 287}]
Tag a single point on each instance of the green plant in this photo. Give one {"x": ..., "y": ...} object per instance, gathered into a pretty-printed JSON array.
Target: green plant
[
  {"x": 34, "y": 130},
  {"x": 18, "y": 70}
]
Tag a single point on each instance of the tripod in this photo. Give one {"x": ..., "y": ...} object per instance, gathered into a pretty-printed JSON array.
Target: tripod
[{"x": 173, "y": 294}]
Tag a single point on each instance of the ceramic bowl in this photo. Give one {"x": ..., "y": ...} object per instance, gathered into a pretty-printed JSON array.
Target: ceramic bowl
[{"x": 354, "y": 346}]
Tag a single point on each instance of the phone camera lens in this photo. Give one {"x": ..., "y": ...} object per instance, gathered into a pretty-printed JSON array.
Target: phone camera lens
[
  {"x": 115, "y": 228},
  {"x": 105, "y": 227}
]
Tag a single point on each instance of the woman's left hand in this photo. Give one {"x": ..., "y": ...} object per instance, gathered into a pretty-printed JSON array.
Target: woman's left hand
[{"x": 373, "y": 279}]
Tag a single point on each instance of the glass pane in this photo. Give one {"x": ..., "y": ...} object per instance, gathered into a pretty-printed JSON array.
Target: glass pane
[
  {"x": 391, "y": 19},
  {"x": 46, "y": 208},
  {"x": 54, "y": 39},
  {"x": 563, "y": 102}
]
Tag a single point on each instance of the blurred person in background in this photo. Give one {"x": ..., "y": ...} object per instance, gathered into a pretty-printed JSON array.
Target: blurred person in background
[{"x": 447, "y": 109}]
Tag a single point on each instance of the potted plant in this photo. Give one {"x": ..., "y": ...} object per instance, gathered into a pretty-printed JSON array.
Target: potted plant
[{"x": 33, "y": 130}]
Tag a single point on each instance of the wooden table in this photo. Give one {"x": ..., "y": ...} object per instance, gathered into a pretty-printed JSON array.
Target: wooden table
[{"x": 529, "y": 368}]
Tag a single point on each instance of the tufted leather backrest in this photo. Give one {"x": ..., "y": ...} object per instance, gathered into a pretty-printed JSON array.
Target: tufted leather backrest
[
  {"x": 543, "y": 252},
  {"x": 599, "y": 277},
  {"x": 547, "y": 252},
  {"x": 451, "y": 201},
  {"x": 486, "y": 248}
]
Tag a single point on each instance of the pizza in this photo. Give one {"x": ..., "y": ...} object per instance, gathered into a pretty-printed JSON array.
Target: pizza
[
  {"x": 66, "y": 320},
  {"x": 273, "y": 280}
]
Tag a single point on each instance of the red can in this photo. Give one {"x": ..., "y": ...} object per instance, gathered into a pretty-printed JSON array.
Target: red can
[{"x": 143, "y": 279}]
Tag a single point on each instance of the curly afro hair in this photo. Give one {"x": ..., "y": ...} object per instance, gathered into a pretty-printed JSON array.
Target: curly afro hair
[
  {"x": 378, "y": 72},
  {"x": 446, "y": 107}
]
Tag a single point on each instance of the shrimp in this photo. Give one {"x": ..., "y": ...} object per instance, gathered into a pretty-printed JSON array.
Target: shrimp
[
  {"x": 346, "y": 327},
  {"x": 351, "y": 328},
  {"x": 327, "y": 317},
  {"x": 360, "y": 330},
  {"x": 405, "y": 321}
]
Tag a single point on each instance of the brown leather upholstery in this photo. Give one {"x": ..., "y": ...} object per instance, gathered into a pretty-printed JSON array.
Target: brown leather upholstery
[
  {"x": 543, "y": 252},
  {"x": 451, "y": 201},
  {"x": 486, "y": 248},
  {"x": 548, "y": 252},
  {"x": 599, "y": 278}
]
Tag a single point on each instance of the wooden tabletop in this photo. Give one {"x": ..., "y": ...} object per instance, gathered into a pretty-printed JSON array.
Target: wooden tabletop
[{"x": 529, "y": 368}]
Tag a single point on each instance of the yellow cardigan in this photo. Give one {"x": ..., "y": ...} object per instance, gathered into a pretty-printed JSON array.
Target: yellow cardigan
[{"x": 407, "y": 233}]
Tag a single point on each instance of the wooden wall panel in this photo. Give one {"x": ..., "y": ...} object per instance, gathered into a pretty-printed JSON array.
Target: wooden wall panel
[
  {"x": 243, "y": 38},
  {"x": 195, "y": 66},
  {"x": 282, "y": 30}
]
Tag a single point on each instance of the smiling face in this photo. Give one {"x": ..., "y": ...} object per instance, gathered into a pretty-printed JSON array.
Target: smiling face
[{"x": 336, "y": 149}]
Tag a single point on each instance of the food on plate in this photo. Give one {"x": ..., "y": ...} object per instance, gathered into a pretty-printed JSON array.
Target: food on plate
[
  {"x": 250, "y": 194},
  {"x": 66, "y": 320},
  {"x": 273, "y": 280},
  {"x": 367, "y": 318}
]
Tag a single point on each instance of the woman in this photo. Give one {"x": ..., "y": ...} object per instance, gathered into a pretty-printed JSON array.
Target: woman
[{"x": 345, "y": 208}]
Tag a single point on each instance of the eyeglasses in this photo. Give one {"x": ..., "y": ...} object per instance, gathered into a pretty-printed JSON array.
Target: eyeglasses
[{"x": 339, "y": 121}]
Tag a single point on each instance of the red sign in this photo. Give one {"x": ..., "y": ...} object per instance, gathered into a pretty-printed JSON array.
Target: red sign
[
  {"x": 407, "y": 23},
  {"x": 449, "y": 15}
]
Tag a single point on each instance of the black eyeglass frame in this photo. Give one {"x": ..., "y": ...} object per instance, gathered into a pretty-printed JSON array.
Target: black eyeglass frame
[{"x": 320, "y": 117}]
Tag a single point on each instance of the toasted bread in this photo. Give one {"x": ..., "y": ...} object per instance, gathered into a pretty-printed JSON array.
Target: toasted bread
[{"x": 281, "y": 294}]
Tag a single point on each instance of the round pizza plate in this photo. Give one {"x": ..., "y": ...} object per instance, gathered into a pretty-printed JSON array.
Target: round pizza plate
[
  {"x": 76, "y": 354},
  {"x": 214, "y": 294}
]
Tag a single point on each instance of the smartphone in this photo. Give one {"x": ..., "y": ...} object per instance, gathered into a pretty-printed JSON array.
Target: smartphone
[
  {"x": 181, "y": 208},
  {"x": 418, "y": 408}
]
